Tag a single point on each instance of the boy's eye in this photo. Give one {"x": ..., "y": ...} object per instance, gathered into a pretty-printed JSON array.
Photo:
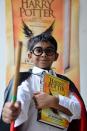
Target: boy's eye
[
  {"x": 39, "y": 51},
  {"x": 49, "y": 50}
]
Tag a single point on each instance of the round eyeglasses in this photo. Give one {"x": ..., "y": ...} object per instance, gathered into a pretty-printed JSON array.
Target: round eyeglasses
[{"x": 38, "y": 51}]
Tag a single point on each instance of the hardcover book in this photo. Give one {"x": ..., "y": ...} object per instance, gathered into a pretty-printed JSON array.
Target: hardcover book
[{"x": 54, "y": 86}]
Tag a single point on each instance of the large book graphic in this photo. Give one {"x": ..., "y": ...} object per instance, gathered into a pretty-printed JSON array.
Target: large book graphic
[
  {"x": 39, "y": 16},
  {"x": 54, "y": 86}
]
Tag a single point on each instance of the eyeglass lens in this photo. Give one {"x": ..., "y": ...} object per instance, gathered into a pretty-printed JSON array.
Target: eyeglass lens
[{"x": 39, "y": 51}]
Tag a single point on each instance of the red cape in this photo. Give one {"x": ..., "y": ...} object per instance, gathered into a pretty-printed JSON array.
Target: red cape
[
  {"x": 12, "y": 128},
  {"x": 79, "y": 125}
]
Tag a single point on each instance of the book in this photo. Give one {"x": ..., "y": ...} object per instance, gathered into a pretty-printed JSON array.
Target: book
[{"x": 54, "y": 86}]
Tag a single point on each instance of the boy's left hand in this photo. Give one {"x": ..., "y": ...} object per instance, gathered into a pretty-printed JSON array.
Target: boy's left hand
[{"x": 43, "y": 100}]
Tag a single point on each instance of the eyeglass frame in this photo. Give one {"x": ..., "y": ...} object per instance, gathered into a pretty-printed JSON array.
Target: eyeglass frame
[{"x": 44, "y": 50}]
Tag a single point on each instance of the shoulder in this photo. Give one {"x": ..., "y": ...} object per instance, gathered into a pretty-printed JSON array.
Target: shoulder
[
  {"x": 72, "y": 86},
  {"x": 9, "y": 89},
  {"x": 23, "y": 76},
  {"x": 65, "y": 78}
]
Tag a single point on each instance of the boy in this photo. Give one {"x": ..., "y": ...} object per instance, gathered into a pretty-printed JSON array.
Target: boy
[{"x": 42, "y": 52}]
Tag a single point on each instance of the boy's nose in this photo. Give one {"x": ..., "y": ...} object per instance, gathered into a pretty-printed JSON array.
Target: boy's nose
[{"x": 44, "y": 53}]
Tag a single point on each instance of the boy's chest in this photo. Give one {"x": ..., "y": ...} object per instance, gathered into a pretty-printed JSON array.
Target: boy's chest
[{"x": 36, "y": 83}]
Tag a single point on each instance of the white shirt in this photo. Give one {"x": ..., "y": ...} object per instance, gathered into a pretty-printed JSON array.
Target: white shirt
[{"x": 28, "y": 115}]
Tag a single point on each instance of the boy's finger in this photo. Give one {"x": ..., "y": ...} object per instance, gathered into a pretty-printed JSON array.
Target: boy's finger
[
  {"x": 35, "y": 101},
  {"x": 36, "y": 93},
  {"x": 17, "y": 104}
]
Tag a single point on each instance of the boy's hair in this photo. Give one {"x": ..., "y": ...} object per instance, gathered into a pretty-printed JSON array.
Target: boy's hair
[
  {"x": 45, "y": 36},
  {"x": 42, "y": 38}
]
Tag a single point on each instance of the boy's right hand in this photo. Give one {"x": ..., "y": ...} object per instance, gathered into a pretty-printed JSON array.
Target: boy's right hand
[{"x": 11, "y": 111}]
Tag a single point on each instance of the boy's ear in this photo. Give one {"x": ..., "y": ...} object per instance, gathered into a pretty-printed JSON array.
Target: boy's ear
[
  {"x": 56, "y": 56},
  {"x": 29, "y": 55}
]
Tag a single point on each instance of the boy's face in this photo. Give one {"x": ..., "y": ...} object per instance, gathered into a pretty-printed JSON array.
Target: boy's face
[{"x": 43, "y": 55}]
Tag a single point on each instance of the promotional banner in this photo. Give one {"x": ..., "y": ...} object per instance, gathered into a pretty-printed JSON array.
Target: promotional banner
[{"x": 38, "y": 16}]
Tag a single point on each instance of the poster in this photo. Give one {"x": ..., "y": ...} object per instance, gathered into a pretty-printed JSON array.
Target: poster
[{"x": 38, "y": 15}]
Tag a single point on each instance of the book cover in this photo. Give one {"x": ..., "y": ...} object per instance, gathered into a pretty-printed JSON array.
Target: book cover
[{"x": 54, "y": 86}]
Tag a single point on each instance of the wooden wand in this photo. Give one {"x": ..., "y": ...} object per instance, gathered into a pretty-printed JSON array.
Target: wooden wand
[{"x": 17, "y": 69}]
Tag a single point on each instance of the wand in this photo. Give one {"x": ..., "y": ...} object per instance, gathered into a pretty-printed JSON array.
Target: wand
[
  {"x": 16, "y": 78},
  {"x": 17, "y": 69}
]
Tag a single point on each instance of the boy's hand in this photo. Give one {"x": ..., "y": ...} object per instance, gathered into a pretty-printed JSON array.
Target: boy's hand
[
  {"x": 11, "y": 111},
  {"x": 43, "y": 100}
]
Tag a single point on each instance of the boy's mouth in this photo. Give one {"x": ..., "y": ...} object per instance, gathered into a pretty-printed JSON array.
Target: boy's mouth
[{"x": 44, "y": 61}]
